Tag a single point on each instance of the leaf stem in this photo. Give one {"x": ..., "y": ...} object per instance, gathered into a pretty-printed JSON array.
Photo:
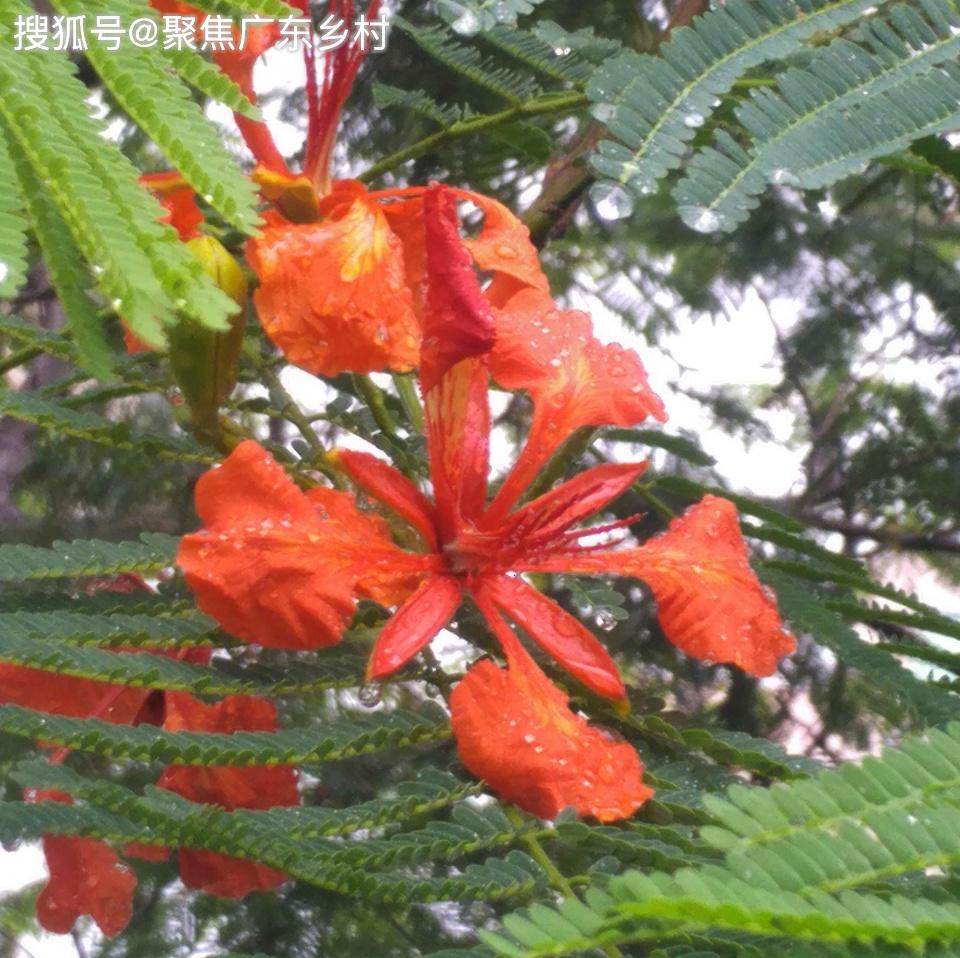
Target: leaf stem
[
  {"x": 410, "y": 400},
  {"x": 373, "y": 397},
  {"x": 540, "y": 856},
  {"x": 655, "y": 501},
  {"x": 567, "y": 101}
]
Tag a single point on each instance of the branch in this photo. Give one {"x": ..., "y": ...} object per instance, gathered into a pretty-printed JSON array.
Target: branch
[{"x": 542, "y": 106}]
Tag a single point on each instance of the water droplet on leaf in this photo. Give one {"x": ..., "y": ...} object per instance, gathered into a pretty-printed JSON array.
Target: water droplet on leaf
[
  {"x": 369, "y": 694},
  {"x": 611, "y": 200}
]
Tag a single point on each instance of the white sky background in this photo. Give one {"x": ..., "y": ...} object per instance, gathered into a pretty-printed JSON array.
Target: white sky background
[{"x": 739, "y": 353}]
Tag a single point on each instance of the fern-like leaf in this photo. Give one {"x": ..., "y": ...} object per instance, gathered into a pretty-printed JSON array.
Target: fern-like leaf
[
  {"x": 654, "y": 105},
  {"x": 722, "y": 182},
  {"x": 291, "y": 746},
  {"x": 70, "y": 281},
  {"x": 94, "y": 428},
  {"x": 436, "y": 42},
  {"x": 793, "y": 855},
  {"x": 85, "y": 557},
  {"x": 161, "y": 106},
  {"x": 13, "y": 228}
]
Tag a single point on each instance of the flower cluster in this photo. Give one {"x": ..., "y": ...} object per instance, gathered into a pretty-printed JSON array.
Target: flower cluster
[
  {"x": 87, "y": 877},
  {"x": 284, "y": 568},
  {"x": 352, "y": 280}
]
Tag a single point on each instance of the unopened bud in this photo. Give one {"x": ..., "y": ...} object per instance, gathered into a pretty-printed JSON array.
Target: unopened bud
[{"x": 205, "y": 361}]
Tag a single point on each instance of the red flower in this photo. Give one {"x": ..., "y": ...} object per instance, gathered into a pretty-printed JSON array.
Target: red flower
[
  {"x": 227, "y": 787},
  {"x": 86, "y": 878},
  {"x": 343, "y": 290},
  {"x": 273, "y": 568},
  {"x": 514, "y": 729}
]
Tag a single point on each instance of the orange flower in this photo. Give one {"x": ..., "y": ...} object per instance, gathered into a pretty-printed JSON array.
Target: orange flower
[
  {"x": 344, "y": 292},
  {"x": 514, "y": 730},
  {"x": 275, "y": 569},
  {"x": 227, "y": 787},
  {"x": 86, "y": 878}
]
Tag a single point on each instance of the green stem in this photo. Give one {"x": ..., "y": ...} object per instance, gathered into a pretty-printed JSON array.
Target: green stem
[
  {"x": 18, "y": 358},
  {"x": 538, "y": 852},
  {"x": 293, "y": 414},
  {"x": 410, "y": 400},
  {"x": 655, "y": 501},
  {"x": 540, "y": 856},
  {"x": 568, "y": 453},
  {"x": 542, "y": 106},
  {"x": 374, "y": 400}
]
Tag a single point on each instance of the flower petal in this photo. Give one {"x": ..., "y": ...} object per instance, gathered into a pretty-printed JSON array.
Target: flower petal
[
  {"x": 458, "y": 328},
  {"x": 275, "y": 566},
  {"x": 333, "y": 294},
  {"x": 503, "y": 248},
  {"x": 709, "y": 602},
  {"x": 414, "y": 624},
  {"x": 86, "y": 878},
  {"x": 179, "y": 200},
  {"x": 514, "y": 729},
  {"x": 385, "y": 484},
  {"x": 69, "y": 695},
  {"x": 572, "y": 378},
  {"x": 556, "y": 511},
  {"x": 257, "y": 787},
  {"x": 224, "y": 875},
  {"x": 459, "y": 323},
  {"x": 558, "y": 633}
]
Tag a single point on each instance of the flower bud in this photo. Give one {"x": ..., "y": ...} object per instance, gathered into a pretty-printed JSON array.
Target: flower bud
[{"x": 205, "y": 361}]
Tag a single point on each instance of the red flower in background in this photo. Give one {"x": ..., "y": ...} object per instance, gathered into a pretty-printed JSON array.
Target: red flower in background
[
  {"x": 283, "y": 568},
  {"x": 86, "y": 877},
  {"x": 227, "y": 787}
]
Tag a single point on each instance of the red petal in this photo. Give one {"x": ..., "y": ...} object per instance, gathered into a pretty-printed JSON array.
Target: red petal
[
  {"x": 558, "y": 633},
  {"x": 571, "y": 502},
  {"x": 393, "y": 489},
  {"x": 514, "y": 730},
  {"x": 230, "y": 788},
  {"x": 67, "y": 695},
  {"x": 333, "y": 294},
  {"x": 414, "y": 624},
  {"x": 275, "y": 566},
  {"x": 573, "y": 380},
  {"x": 458, "y": 322},
  {"x": 709, "y": 602},
  {"x": 503, "y": 248},
  {"x": 224, "y": 875},
  {"x": 86, "y": 878},
  {"x": 178, "y": 199},
  {"x": 458, "y": 437}
]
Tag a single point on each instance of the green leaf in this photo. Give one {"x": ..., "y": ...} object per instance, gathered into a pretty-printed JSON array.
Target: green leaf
[
  {"x": 86, "y": 557},
  {"x": 812, "y": 108},
  {"x": 653, "y": 105},
  {"x": 71, "y": 282},
  {"x": 94, "y": 428},
  {"x": 160, "y": 104},
  {"x": 291, "y": 746},
  {"x": 807, "y": 614},
  {"x": 13, "y": 228}
]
